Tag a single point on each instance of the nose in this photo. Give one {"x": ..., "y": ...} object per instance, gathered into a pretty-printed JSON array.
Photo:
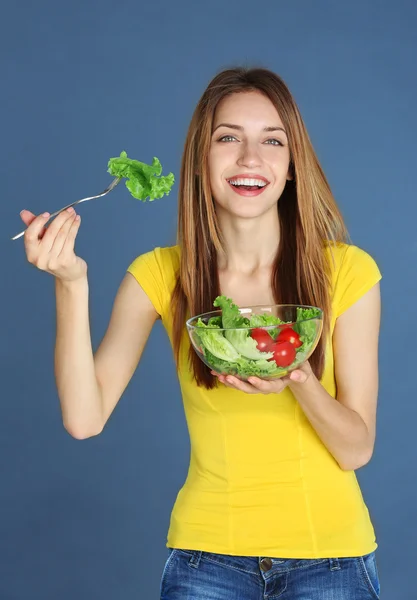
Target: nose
[{"x": 249, "y": 156}]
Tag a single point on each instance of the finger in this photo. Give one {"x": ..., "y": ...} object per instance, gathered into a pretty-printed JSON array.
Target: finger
[
  {"x": 62, "y": 235},
  {"x": 32, "y": 233},
  {"x": 69, "y": 243},
  {"x": 241, "y": 385},
  {"x": 218, "y": 375},
  {"x": 222, "y": 379},
  {"x": 55, "y": 227},
  {"x": 267, "y": 387},
  {"x": 298, "y": 375},
  {"x": 27, "y": 217}
]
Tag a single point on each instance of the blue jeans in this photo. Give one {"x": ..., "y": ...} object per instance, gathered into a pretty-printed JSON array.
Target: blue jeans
[{"x": 196, "y": 575}]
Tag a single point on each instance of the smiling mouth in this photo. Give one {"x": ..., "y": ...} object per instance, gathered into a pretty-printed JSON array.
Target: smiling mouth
[
  {"x": 248, "y": 187},
  {"x": 248, "y": 184}
]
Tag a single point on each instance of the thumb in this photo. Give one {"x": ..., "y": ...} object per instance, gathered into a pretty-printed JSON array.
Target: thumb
[{"x": 298, "y": 376}]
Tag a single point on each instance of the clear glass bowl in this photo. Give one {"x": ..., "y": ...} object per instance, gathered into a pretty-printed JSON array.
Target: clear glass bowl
[{"x": 265, "y": 351}]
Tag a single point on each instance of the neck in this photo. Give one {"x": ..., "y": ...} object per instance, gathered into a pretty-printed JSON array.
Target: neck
[{"x": 250, "y": 245}]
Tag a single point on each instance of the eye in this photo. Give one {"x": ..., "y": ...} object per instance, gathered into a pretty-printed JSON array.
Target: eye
[
  {"x": 274, "y": 142},
  {"x": 227, "y": 138}
]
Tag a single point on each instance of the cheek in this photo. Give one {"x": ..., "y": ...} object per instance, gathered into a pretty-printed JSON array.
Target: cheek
[
  {"x": 280, "y": 162},
  {"x": 216, "y": 168}
]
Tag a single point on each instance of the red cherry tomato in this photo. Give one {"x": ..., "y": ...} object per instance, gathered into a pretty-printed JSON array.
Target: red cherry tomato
[
  {"x": 284, "y": 353},
  {"x": 263, "y": 339},
  {"x": 286, "y": 326},
  {"x": 289, "y": 335}
]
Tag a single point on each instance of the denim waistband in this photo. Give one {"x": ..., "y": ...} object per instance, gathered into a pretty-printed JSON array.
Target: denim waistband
[{"x": 265, "y": 564}]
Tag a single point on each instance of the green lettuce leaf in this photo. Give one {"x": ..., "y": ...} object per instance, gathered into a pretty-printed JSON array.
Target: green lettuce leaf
[
  {"x": 244, "y": 367},
  {"x": 308, "y": 313},
  {"x": 239, "y": 338},
  {"x": 214, "y": 341},
  {"x": 307, "y": 329},
  {"x": 259, "y": 368},
  {"x": 266, "y": 320},
  {"x": 220, "y": 365},
  {"x": 245, "y": 344},
  {"x": 143, "y": 180},
  {"x": 231, "y": 316},
  {"x": 215, "y": 321}
]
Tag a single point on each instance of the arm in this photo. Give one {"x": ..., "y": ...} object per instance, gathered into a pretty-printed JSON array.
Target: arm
[
  {"x": 89, "y": 386},
  {"x": 347, "y": 425}
]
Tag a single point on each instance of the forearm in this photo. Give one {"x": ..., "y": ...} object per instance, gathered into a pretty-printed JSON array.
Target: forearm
[
  {"x": 76, "y": 381},
  {"x": 342, "y": 430}
]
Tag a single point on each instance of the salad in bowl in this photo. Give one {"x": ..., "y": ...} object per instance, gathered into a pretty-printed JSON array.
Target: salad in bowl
[{"x": 266, "y": 341}]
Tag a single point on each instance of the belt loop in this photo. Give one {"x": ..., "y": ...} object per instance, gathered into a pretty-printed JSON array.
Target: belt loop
[
  {"x": 195, "y": 559},
  {"x": 334, "y": 564}
]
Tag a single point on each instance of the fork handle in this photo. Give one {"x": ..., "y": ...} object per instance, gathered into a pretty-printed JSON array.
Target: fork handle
[
  {"x": 19, "y": 235},
  {"x": 62, "y": 209},
  {"x": 111, "y": 187}
]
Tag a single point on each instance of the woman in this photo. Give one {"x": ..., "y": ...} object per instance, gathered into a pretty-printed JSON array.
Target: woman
[{"x": 271, "y": 506}]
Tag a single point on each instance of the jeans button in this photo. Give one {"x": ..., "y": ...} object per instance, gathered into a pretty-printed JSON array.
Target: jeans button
[{"x": 266, "y": 564}]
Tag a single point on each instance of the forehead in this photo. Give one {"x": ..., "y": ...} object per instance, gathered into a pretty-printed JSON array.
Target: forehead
[{"x": 247, "y": 107}]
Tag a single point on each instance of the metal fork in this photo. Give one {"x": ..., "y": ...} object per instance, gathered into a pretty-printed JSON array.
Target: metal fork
[{"x": 106, "y": 191}]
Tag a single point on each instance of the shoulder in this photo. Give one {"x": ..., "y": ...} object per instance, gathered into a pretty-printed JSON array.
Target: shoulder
[
  {"x": 162, "y": 260},
  {"x": 354, "y": 272},
  {"x": 156, "y": 272},
  {"x": 343, "y": 256}
]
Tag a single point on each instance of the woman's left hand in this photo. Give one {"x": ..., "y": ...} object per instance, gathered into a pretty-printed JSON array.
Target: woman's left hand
[{"x": 255, "y": 385}]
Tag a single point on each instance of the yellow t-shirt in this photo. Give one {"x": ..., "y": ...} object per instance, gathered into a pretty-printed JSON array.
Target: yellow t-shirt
[{"x": 260, "y": 480}]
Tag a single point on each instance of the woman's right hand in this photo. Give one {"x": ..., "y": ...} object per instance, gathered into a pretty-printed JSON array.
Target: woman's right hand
[{"x": 51, "y": 248}]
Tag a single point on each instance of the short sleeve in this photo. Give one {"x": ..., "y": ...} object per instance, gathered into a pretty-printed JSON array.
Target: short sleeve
[
  {"x": 156, "y": 272},
  {"x": 147, "y": 272},
  {"x": 357, "y": 275}
]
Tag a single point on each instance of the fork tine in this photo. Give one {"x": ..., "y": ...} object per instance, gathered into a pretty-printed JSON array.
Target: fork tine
[{"x": 114, "y": 183}]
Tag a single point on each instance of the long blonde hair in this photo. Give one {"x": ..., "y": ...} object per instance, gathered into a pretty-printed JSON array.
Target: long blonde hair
[{"x": 308, "y": 213}]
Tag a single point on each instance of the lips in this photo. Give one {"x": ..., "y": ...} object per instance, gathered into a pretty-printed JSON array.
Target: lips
[
  {"x": 248, "y": 176},
  {"x": 245, "y": 184},
  {"x": 242, "y": 191}
]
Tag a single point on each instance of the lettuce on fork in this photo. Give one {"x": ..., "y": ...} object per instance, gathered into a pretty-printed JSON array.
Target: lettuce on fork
[{"x": 143, "y": 180}]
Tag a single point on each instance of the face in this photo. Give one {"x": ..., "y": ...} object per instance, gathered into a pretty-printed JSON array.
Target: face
[{"x": 249, "y": 155}]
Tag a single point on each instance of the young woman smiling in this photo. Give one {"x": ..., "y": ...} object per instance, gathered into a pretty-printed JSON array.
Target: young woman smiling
[{"x": 271, "y": 506}]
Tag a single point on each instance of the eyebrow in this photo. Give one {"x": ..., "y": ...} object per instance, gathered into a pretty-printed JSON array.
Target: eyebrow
[{"x": 240, "y": 128}]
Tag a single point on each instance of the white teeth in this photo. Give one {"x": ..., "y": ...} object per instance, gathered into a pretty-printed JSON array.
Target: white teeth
[{"x": 258, "y": 182}]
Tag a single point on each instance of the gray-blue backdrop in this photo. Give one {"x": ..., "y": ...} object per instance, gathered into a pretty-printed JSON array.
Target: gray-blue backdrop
[{"x": 82, "y": 81}]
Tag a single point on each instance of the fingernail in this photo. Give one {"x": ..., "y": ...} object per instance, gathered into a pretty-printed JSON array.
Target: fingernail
[
  {"x": 46, "y": 215},
  {"x": 22, "y": 211}
]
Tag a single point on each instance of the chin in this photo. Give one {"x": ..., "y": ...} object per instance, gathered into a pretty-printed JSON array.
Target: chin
[
  {"x": 246, "y": 207},
  {"x": 247, "y": 212}
]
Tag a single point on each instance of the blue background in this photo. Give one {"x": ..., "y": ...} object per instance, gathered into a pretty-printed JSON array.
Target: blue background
[{"x": 82, "y": 81}]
